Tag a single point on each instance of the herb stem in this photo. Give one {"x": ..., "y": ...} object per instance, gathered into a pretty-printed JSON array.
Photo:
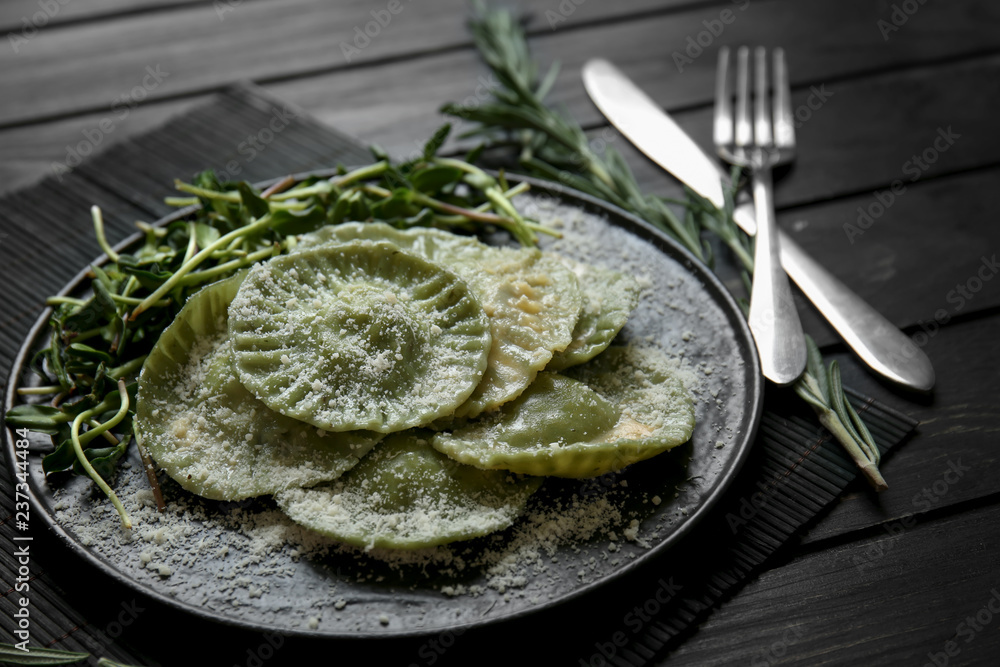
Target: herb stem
[
  {"x": 231, "y": 197},
  {"x": 201, "y": 256},
  {"x": 134, "y": 301},
  {"x": 869, "y": 468},
  {"x": 437, "y": 205},
  {"x": 58, "y": 300},
  {"x": 89, "y": 333},
  {"x": 542, "y": 229},
  {"x": 280, "y": 186},
  {"x": 94, "y": 425},
  {"x": 130, "y": 286},
  {"x": 127, "y": 368},
  {"x": 82, "y": 457},
  {"x": 192, "y": 243},
  {"x": 361, "y": 174},
  {"x": 38, "y": 391},
  {"x": 320, "y": 188},
  {"x": 246, "y": 260},
  {"x": 326, "y": 187},
  {"x": 180, "y": 202},
  {"x": 518, "y": 189},
  {"x": 502, "y": 205},
  {"x": 158, "y": 232},
  {"x": 95, "y": 213}
]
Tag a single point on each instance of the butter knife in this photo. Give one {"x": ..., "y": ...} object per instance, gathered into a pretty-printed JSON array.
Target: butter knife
[{"x": 879, "y": 343}]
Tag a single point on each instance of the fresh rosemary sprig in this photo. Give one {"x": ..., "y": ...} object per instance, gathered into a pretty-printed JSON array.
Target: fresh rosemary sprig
[
  {"x": 553, "y": 147},
  {"x": 97, "y": 344},
  {"x": 11, "y": 654}
]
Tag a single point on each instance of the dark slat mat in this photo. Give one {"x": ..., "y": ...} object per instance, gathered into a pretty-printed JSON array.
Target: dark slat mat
[{"x": 793, "y": 474}]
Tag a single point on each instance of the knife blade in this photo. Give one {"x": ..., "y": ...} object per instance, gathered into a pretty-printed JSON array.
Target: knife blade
[{"x": 879, "y": 343}]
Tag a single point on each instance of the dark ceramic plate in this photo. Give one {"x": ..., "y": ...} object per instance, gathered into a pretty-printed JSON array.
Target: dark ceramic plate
[{"x": 209, "y": 565}]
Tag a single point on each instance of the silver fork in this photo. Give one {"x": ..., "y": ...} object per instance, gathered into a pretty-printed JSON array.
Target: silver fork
[{"x": 773, "y": 317}]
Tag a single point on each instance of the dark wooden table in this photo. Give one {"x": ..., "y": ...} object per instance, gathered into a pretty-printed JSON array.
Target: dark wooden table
[{"x": 902, "y": 92}]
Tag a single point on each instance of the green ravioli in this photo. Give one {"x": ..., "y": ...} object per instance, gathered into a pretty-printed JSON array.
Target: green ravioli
[
  {"x": 608, "y": 299},
  {"x": 213, "y": 436},
  {"x": 406, "y": 495},
  {"x": 625, "y": 405},
  {"x": 532, "y": 298},
  {"x": 358, "y": 336}
]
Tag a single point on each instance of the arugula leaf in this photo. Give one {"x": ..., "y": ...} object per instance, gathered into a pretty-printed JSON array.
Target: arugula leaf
[
  {"x": 38, "y": 418},
  {"x": 252, "y": 202},
  {"x": 434, "y": 144},
  {"x": 435, "y": 178}
]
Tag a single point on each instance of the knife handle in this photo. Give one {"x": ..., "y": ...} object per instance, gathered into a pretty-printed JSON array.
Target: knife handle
[{"x": 878, "y": 342}]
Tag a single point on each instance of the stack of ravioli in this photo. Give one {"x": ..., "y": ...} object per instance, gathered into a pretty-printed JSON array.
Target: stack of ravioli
[{"x": 405, "y": 389}]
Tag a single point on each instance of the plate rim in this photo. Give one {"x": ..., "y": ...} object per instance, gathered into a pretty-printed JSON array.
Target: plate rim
[{"x": 565, "y": 194}]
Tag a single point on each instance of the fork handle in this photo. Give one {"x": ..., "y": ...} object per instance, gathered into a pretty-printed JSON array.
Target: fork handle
[
  {"x": 773, "y": 318},
  {"x": 876, "y": 340}
]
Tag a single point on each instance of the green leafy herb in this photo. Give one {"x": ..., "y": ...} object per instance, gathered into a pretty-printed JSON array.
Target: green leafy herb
[
  {"x": 98, "y": 343},
  {"x": 551, "y": 146},
  {"x": 11, "y": 655},
  {"x": 820, "y": 387}
]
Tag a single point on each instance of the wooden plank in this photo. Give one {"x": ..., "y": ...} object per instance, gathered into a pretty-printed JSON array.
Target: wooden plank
[
  {"x": 28, "y": 153},
  {"x": 828, "y": 162},
  {"x": 897, "y": 114},
  {"x": 255, "y": 40},
  {"x": 887, "y": 262},
  {"x": 876, "y": 153},
  {"x": 297, "y": 38},
  {"x": 898, "y": 283},
  {"x": 19, "y": 16},
  {"x": 894, "y": 119},
  {"x": 402, "y": 110},
  {"x": 958, "y": 430},
  {"x": 929, "y": 256},
  {"x": 904, "y": 608}
]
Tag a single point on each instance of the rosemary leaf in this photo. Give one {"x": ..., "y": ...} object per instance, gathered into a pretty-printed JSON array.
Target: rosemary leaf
[
  {"x": 553, "y": 147},
  {"x": 11, "y": 655}
]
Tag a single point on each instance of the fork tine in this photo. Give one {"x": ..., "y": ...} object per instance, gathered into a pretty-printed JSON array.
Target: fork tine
[
  {"x": 723, "y": 128},
  {"x": 784, "y": 123},
  {"x": 762, "y": 103},
  {"x": 744, "y": 130}
]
